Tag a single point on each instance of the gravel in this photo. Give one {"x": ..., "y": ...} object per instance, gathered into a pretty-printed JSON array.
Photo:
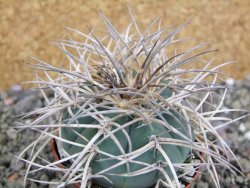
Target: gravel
[
  {"x": 237, "y": 137},
  {"x": 12, "y": 142},
  {"x": 16, "y": 101}
]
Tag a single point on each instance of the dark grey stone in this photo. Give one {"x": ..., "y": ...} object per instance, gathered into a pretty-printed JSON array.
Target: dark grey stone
[
  {"x": 11, "y": 134},
  {"x": 202, "y": 185}
]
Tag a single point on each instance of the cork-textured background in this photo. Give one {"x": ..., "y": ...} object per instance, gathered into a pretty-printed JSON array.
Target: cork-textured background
[{"x": 27, "y": 27}]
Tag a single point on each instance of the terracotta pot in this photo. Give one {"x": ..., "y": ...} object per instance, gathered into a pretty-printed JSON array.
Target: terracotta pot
[
  {"x": 57, "y": 158},
  {"x": 77, "y": 185},
  {"x": 195, "y": 177}
]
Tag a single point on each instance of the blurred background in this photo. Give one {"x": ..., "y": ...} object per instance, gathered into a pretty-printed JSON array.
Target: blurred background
[{"x": 28, "y": 27}]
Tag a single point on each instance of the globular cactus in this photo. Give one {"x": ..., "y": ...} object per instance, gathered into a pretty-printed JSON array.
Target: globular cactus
[
  {"x": 124, "y": 144},
  {"x": 125, "y": 114}
]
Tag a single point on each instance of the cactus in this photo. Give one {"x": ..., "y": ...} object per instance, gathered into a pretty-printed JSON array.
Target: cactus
[
  {"x": 123, "y": 135},
  {"x": 127, "y": 115}
]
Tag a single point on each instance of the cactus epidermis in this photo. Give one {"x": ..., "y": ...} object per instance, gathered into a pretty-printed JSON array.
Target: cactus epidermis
[{"x": 126, "y": 152}]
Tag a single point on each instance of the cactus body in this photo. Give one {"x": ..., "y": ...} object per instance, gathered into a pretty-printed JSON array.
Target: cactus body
[
  {"x": 140, "y": 134},
  {"x": 128, "y": 114}
]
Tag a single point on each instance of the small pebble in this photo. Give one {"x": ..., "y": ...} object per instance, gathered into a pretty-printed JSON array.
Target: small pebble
[
  {"x": 247, "y": 125},
  {"x": 239, "y": 179},
  {"x": 189, "y": 170},
  {"x": 227, "y": 182},
  {"x": 53, "y": 180},
  {"x": 16, "y": 166},
  {"x": 242, "y": 128},
  {"x": 11, "y": 134},
  {"x": 230, "y": 82},
  {"x": 3, "y": 139},
  {"x": 16, "y": 88},
  {"x": 236, "y": 104},
  {"x": 8, "y": 101},
  {"x": 202, "y": 185},
  {"x": 44, "y": 177},
  {"x": 247, "y": 135}
]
